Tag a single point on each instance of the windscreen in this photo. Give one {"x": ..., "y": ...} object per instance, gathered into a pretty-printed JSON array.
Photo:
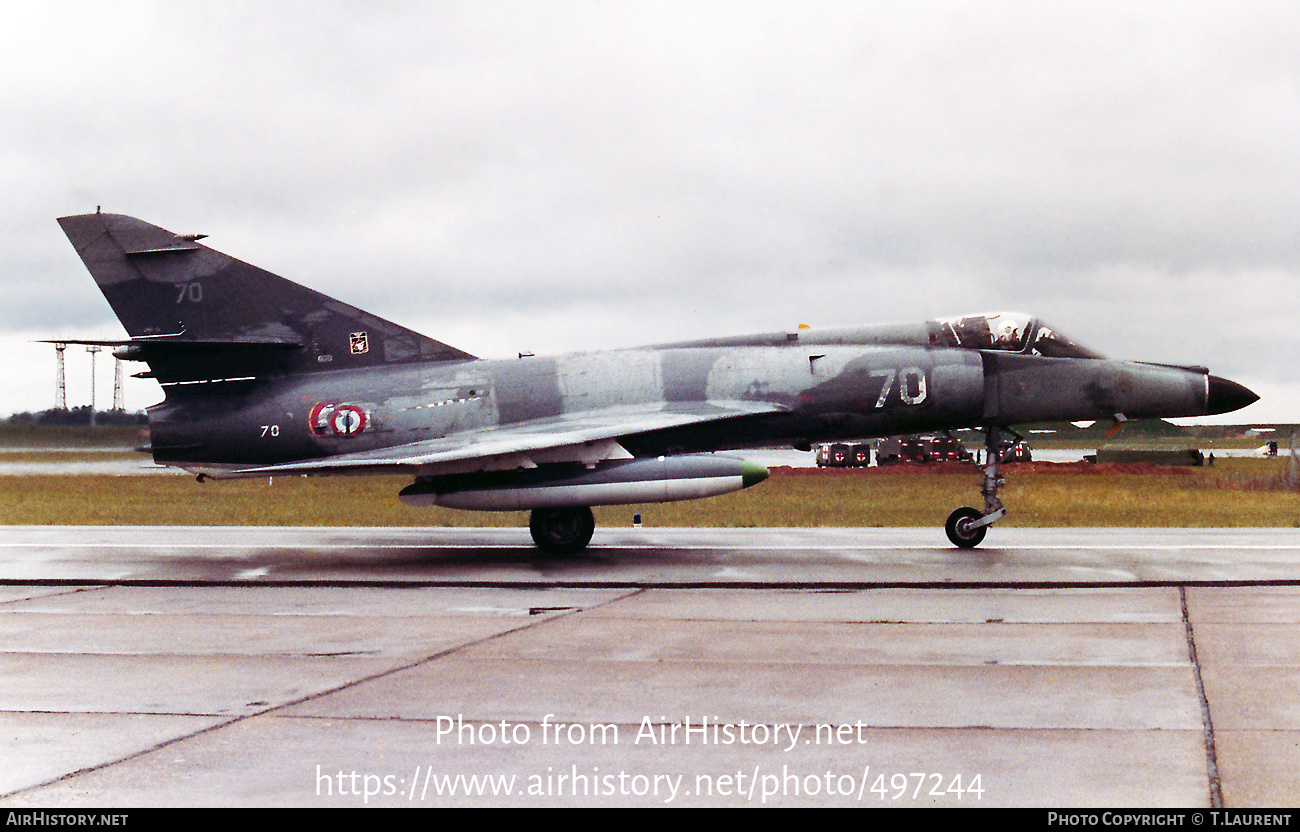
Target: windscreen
[
  {"x": 1054, "y": 344},
  {"x": 1011, "y": 332}
]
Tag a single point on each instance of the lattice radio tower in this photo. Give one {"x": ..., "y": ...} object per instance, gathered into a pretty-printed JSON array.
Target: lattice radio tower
[
  {"x": 118, "y": 404},
  {"x": 60, "y": 379},
  {"x": 94, "y": 352}
]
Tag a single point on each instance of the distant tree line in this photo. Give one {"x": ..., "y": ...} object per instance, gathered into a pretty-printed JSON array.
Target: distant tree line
[{"x": 80, "y": 416}]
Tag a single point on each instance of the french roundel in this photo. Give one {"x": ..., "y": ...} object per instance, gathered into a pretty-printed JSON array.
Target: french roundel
[
  {"x": 347, "y": 420},
  {"x": 332, "y": 418}
]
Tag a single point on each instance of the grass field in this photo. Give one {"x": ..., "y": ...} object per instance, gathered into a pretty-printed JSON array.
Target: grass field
[{"x": 1234, "y": 493}]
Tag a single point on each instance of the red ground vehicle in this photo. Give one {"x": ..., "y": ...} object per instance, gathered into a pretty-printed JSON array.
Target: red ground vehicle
[
  {"x": 844, "y": 455},
  {"x": 920, "y": 449}
]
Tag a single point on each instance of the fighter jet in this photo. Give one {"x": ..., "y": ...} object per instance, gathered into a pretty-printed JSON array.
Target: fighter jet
[{"x": 263, "y": 376}]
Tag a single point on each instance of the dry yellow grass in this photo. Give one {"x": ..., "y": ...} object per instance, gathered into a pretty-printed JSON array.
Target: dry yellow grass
[{"x": 1218, "y": 497}]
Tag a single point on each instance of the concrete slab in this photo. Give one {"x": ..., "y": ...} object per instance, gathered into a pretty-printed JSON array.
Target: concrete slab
[
  {"x": 311, "y": 600},
  {"x": 169, "y": 683},
  {"x": 1248, "y": 644},
  {"x": 336, "y": 635},
  {"x": 1258, "y": 768},
  {"x": 851, "y": 644},
  {"x": 970, "y": 606},
  {"x": 37, "y": 748},
  {"x": 877, "y": 695},
  {"x": 1247, "y": 604}
]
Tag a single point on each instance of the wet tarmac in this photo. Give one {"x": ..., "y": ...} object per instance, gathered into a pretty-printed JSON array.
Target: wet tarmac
[{"x": 431, "y": 667}]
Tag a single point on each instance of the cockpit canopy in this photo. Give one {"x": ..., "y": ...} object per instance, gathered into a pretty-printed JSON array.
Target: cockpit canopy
[{"x": 1011, "y": 332}]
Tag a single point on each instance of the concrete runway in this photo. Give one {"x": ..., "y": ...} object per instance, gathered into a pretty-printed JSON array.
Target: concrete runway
[{"x": 429, "y": 667}]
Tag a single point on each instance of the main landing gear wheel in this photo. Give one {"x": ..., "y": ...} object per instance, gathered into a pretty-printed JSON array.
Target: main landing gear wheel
[
  {"x": 562, "y": 531},
  {"x": 959, "y": 528}
]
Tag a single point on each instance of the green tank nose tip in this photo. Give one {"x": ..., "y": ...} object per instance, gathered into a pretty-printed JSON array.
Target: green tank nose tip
[{"x": 752, "y": 474}]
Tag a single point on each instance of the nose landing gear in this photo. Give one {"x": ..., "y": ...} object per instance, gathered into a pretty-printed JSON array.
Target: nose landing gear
[{"x": 967, "y": 526}]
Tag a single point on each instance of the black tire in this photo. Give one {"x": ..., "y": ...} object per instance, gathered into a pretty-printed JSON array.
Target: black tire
[
  {"x": 562, "y": 531},
  {"x": 959, "y": 531}
]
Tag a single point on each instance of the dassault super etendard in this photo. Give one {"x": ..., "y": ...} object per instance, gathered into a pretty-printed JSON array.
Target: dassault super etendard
[{"x": 263, "y": 376}]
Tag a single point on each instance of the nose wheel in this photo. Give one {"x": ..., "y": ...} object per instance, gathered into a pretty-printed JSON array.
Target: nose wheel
[
  {"x": 967, "y": 526},
  {"x": 961, "y": 529}
]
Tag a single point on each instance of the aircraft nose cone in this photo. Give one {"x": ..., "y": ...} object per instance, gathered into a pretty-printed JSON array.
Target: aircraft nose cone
[{"x": 1226, "y": 396}]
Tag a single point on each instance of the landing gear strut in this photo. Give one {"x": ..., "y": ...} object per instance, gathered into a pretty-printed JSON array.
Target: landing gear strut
[
  {"x": 967, "y": 526},
  {"x": 562, "y": 531}
]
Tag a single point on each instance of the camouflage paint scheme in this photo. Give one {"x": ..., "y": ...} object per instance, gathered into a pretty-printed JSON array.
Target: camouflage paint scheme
[{"x": 265, "y": 376}]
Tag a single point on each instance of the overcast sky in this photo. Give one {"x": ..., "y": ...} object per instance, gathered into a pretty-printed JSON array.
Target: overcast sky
[{"x": 554, "y": 176}]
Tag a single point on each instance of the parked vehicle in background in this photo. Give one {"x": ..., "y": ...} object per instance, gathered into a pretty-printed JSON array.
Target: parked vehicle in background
[
  {"x": 844, "y": 455},
  {"x": 948, "y": 449},
  {"x": 920, "y": 449},
  {"x": 1018, "y": 452}
]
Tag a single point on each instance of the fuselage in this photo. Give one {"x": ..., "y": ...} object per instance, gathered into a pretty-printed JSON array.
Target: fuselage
[{"x": 814, "y": 386}]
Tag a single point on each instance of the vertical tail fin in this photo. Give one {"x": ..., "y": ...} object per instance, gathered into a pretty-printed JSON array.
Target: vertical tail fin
[{"x": 195, "y": 314}]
